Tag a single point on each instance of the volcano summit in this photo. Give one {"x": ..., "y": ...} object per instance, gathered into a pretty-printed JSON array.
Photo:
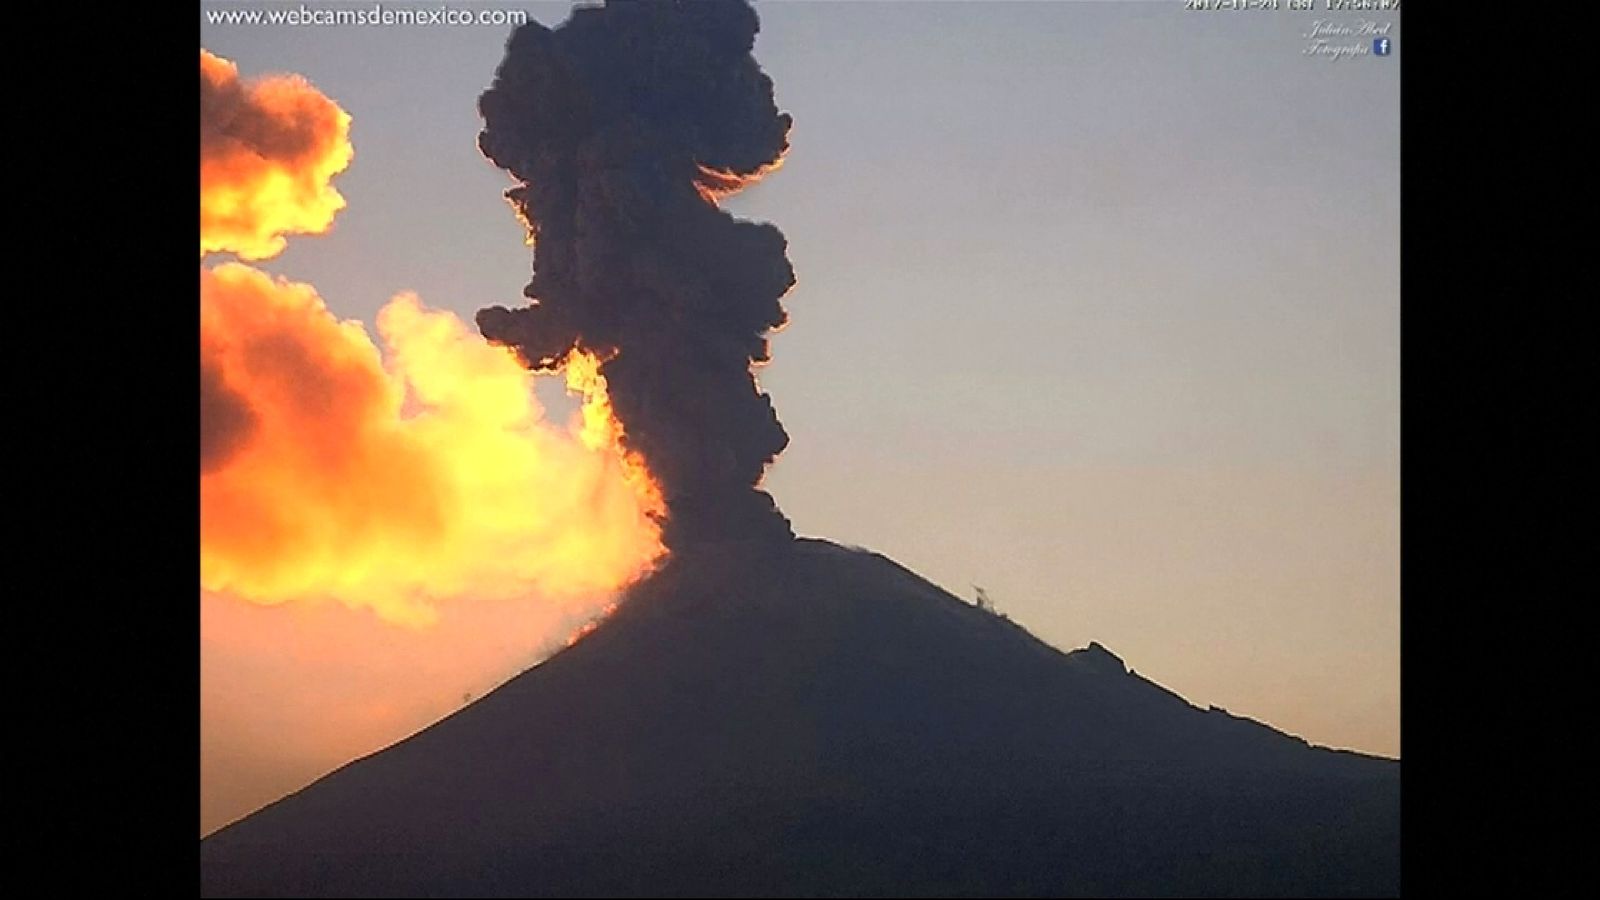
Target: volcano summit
[{"x": 814, "y": 720}]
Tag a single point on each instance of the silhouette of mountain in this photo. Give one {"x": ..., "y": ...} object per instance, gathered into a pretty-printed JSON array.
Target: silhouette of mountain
[{"x": 807, "y": 719}]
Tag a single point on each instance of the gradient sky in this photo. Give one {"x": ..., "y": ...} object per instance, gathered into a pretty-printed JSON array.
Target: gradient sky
[{"x": 1098, "y": 308}]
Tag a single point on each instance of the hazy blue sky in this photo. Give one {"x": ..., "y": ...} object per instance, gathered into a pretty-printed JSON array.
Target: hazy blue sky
[{"x": 1098, "y": 308}]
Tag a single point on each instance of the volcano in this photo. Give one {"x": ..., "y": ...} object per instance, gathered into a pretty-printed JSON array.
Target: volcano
[{"x": 806, "y": 719}]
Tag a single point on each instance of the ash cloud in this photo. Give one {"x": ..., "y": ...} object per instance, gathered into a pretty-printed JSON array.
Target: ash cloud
[{"x": 622, "y": 126}]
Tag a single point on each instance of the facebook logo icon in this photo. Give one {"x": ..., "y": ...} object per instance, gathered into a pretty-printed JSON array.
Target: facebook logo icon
[{"x": 1380, "y": 46}]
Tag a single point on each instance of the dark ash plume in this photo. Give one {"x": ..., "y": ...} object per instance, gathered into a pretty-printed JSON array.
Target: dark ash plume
[{"x": 623, "y": 125}]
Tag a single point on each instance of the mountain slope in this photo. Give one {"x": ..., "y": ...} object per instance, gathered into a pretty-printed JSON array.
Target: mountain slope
[{"x": 807, "y": 719}]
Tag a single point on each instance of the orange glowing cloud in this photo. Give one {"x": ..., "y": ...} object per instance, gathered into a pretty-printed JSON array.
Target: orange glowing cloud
[
  {"x": 392, "y": 477},
  {"x": 714, "y": 183},
  {"x": 268, "y": 149}
]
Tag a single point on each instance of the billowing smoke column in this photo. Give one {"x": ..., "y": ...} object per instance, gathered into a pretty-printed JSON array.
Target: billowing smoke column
[{"x": 623, "y": 126}]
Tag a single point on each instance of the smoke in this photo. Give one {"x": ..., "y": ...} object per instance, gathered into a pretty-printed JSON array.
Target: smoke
[
  {"x": 623, "y": 126},
  {"x": 267, "y": 152},
  {"x": 386, "y": 478}
]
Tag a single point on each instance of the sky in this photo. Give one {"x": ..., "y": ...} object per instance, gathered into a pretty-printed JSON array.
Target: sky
[{"x": 1097, "y": 308}]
